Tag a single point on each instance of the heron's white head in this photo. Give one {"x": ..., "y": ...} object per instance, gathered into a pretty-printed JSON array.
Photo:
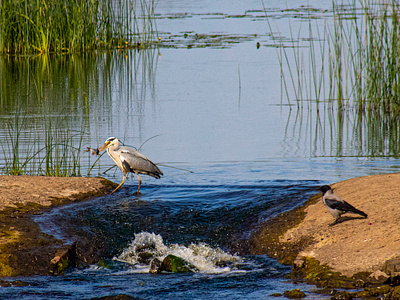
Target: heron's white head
[{"x": 108, "y": 142}]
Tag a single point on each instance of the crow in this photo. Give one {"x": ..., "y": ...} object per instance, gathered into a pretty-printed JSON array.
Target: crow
[{"x": 336, "y": 206}]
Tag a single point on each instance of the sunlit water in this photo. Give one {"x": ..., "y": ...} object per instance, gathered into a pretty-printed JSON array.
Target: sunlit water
[{"x": 233, "y": 152}]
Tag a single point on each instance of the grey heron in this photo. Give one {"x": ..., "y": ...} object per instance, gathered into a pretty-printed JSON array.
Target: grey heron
[
  {"x": 336, "y": 206},
  {"x": 130, "y": 160}
]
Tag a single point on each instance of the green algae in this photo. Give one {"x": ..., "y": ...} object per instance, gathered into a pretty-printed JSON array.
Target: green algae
[
  {"x": 294, "y": 294},
  {"x": 5, "y": 270},
  {"x": 267, "y": 239},
  {"x": 321, "y": 275}
]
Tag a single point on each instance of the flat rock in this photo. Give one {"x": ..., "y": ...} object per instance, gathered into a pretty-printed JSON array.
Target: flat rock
[
  {"x": 24, "y": 249},
  {"x": 44, "y": 190},
  {"x": 356, "y": 244}
]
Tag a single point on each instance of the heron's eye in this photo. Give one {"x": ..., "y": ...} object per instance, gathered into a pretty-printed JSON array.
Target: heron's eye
[{"x": 111, "y": 139}]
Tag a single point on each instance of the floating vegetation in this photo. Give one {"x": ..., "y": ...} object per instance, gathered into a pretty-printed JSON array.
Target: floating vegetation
[
  {"x": 70, "y": 26},
  {"x": 197, "y": 40}
]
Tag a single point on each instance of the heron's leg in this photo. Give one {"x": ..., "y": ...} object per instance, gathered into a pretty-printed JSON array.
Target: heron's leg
[
  {"x": 123, "y": 180},
  {"x": 140, "y": 182}
]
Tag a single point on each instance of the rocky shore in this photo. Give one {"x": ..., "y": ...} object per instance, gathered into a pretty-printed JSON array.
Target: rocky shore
[
  {"x": 356, "y": 252},
  {"x": 24, "y": 249}
]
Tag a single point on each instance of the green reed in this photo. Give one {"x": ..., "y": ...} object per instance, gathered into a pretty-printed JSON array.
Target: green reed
[
  {"x": 52, "y": 151},
  {"x": 346, "y": 72},
  {"x": 39, "y": 138},
  {"x": 72, "y": 26},
  {"x": 357, "y": 61}
]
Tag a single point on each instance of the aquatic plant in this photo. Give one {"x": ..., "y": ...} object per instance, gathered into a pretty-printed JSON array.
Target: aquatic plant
[
  {"x": 54, "y": 151},
  {"x": 70, "y": 26},
  {"x": 354, "y": 63},
  {"x": 47, "y": 107},
  {"x": 343, "y": 77}
]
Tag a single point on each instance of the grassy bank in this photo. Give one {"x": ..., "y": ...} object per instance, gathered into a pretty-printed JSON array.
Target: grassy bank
[{"x": 70, "y": 26}]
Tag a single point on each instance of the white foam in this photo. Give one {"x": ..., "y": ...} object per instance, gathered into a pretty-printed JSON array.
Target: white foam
[{"x": 204, "y": 257}]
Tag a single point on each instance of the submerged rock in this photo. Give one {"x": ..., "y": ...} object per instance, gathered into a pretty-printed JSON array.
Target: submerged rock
[
  {"x": 4, "y": 283},
  {"x": 113, "y": 264},
  {"x": 155, "y": 266},
  {"x": 276, "y": 295}
]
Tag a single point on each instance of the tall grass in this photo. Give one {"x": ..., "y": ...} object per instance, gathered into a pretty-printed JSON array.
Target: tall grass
[
  {"x": 53, "y": 106},
  {"x": 346, "y": 72},
  {"x": 52, "y": 151},
  {"x": 359, "y": 59},
  {"x": 71, "y": 26}
]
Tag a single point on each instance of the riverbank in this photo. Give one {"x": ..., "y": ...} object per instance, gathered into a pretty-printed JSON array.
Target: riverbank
[
  {"x": 24, "y": 249},
  {"x": 351, "y": 253},
  {"x": 354, "y": 250}
]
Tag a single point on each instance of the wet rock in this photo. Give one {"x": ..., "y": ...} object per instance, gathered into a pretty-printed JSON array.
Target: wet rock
[
  {"x": 299, "y": 263},
  {"x": 65, "y": 258},
  {"x": 172, "y": 263},
  {"x": 145, "y": 253},
  {"x": 294, "y": 294},
  {"x": 321, "y": 275},
  {"x": 155, "y": 266},
  {"x": 145, "y": 257},
  {"x": 362, "y": 294},
  {"x": 378, "y": 277},
  {"x": 395, "y": 293},
  {"x": 276, "y": 295},
  {"x": 5, "y": 283},
  {"x": 393, "y": 281},
  {"x": 383, "y": 290},
  {"x": 343, "y": 295}
]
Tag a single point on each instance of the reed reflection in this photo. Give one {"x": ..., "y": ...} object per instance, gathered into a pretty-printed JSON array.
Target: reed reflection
[{"x": 68, "y": 101}]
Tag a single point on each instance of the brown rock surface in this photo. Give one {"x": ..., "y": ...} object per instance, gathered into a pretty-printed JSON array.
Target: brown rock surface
[
  {"x": 44, "y": 190},
  {"x": 355, "y": 244},
  {"x": 24, "y": 248}
]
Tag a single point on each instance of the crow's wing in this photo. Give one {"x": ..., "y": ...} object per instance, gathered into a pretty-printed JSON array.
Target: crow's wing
[{"x": 343, "y": 206}]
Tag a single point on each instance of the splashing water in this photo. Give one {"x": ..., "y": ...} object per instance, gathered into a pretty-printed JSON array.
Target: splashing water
[{"x": 204, "y": 257}]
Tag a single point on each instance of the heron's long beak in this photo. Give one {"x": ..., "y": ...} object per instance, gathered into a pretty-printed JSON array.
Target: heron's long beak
[{"x": 104, "y": 146}]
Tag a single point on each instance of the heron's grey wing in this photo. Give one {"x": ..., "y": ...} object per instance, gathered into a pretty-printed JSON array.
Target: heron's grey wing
[
  {"x": 139, "y": 162},
  {"x": 134, "y": 152}
]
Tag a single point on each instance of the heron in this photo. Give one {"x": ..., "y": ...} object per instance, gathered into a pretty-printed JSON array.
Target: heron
[{"x": 130, "y": 160}]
